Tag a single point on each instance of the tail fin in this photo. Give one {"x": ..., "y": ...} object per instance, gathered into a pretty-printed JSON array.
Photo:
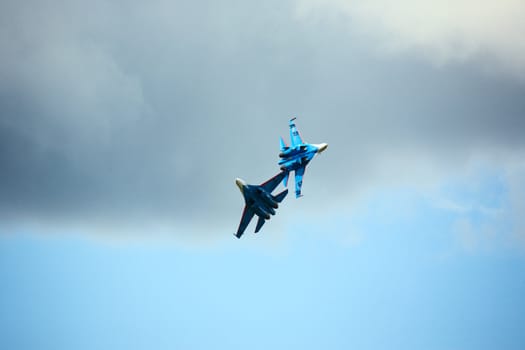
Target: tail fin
[
  {"x": 284, "y": 147},
  {"x": 279, "y": 198}
]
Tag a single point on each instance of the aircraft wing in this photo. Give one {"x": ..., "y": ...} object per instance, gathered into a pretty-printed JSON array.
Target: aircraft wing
[
  {"x": 299, "y": 180},
  {"x": 295, "y": 138},
  {"x": 246, "y": 217},
  {"x": 271, "y": 184}
]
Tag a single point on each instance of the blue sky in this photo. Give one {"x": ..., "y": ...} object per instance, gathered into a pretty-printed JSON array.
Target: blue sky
[
  {"x": 408, "y": 282},
  {"x": 123, "y": 125}
]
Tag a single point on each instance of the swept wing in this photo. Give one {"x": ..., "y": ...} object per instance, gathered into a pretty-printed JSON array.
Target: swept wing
[
  {"x": 299, "y": 172},
  {"x": 246, "y": 217},
  {"x": 271, "y": 184}
]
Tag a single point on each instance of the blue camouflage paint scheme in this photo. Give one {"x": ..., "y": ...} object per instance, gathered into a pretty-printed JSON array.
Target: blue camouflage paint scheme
[
  {"x": 259, "y": 201},
  {"x": 297, "y": 156}
]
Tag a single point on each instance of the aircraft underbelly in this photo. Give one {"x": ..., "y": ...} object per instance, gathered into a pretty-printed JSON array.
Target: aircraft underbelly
[
  {"x": 264, "y": 212},
  {"x": 295, "y": 164}
]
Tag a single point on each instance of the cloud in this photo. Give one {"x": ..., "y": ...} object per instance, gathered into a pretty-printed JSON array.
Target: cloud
[
  {"x": 139, "y": 117},
  {"x": 486, "y": 32}
]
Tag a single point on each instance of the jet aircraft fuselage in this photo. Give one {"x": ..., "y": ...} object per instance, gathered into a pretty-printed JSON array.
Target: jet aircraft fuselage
[
  {"x": 259, "y": 201},
  {"x": 297, "y": 156}
]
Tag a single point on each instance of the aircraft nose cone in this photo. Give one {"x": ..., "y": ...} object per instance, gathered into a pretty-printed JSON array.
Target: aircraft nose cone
[
  {"x": 240, "y": 183},
  {"x": 321, "y": 147}
]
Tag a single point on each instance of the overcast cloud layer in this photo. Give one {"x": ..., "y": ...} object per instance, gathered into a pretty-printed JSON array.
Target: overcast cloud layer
[
  {"x": 127, "y": 115},
  {"x": 487, "y": 33}
]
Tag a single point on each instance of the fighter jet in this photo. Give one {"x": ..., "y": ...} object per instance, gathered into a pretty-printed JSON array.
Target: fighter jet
[
  {"x": 297, "y": 156},
  {"x": 259, "y": 200}
]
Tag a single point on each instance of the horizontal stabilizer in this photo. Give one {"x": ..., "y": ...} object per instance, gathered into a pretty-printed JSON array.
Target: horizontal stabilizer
[
  {"x": 260, "y": 224},
  {"x": 279, "y": 198}
]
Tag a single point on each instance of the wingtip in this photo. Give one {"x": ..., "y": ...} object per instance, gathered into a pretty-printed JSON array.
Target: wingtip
[
  {"x": 286, "y": 177},
  {"x": 238, "y": 237}
]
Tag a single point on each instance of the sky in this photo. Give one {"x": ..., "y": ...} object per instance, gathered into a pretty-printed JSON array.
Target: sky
[{"x": 124, "y": 124}]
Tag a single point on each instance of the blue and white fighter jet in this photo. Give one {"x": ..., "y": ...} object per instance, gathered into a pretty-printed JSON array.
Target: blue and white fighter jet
[
  {"x": 297, "y": 156},
  {"x": 259, "y": 200}
]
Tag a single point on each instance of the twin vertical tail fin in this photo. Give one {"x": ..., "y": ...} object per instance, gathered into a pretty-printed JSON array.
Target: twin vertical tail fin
[{"x": 283, "y": 145}]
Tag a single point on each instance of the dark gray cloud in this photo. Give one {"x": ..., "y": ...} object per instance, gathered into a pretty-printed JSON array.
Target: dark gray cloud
[{"x": 131, "y": 114}]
